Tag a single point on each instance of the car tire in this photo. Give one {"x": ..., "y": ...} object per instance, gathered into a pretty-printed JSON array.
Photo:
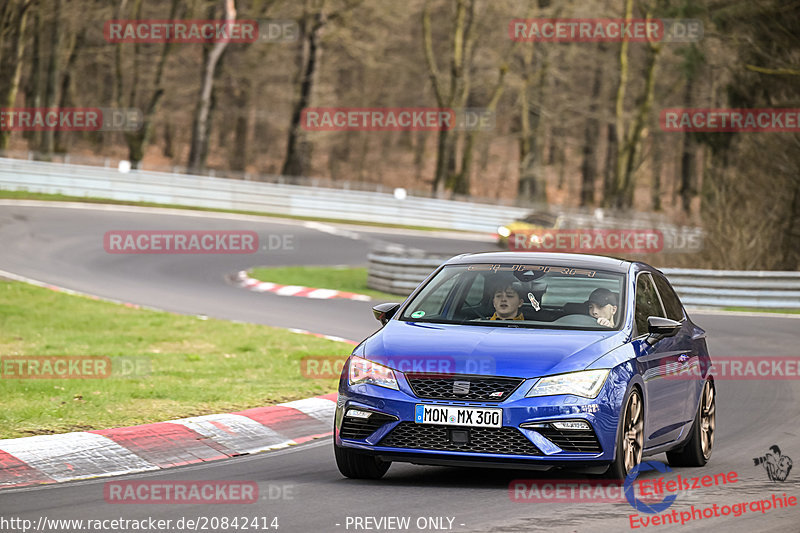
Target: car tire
[
  {"x": 356, "y": 465},
  {"x": 630, "y": 437},
  {"x": 697, "y": 450}
]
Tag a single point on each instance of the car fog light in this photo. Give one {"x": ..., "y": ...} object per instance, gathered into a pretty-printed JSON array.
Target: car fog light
[
  {"x": 571, "y": 424},
  {"x": 356, "y": 413}
]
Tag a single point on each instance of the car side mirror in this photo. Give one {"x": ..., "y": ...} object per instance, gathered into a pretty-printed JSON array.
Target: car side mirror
[
  {"x": 384, "y": 312},
  {"x": 660, "y": 327}
]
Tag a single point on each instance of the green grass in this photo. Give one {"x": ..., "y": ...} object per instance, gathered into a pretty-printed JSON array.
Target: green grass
[
  {"x": 337, "y": 278},
  {"x": 25, "y": 195},
  {"x": 197, "y": 366},
  {"x": 760, "y": 310}
]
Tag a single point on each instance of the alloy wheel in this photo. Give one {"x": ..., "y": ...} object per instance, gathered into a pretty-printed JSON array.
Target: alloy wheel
[
  {"x": 708, "y": 419},
  {"x": 633, "y": 436}
]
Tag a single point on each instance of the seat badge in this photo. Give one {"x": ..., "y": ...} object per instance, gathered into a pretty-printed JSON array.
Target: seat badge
[{"x": 461, "y": 387}]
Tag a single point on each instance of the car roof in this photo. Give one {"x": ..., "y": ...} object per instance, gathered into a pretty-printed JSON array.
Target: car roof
[{"x": 599, "y": 262}]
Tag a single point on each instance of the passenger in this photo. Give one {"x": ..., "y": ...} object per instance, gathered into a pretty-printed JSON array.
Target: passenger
[
  {"x": 508, "y": 302},
  {"x": 603, "y": 307}
]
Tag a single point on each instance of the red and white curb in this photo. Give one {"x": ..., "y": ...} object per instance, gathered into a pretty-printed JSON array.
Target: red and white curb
[
  {"x": 243, "y": 280},
  {"x": 112, "y": 452}
]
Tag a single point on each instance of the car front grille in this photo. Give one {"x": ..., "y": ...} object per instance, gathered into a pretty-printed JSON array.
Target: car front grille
[
  {"x": 480, "y": 388},
  {"x": 581, "y": 441},
  {"x": 504, "y": 440},
  {"x": 361, "y": 428}
]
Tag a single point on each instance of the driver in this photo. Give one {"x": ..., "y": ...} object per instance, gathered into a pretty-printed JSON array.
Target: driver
[
  {"x": 603, "y": 307},
  {"x": 507, "y": 301}
]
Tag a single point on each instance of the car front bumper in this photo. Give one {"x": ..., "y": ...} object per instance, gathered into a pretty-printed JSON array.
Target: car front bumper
[{"x": 393, "y": 434}]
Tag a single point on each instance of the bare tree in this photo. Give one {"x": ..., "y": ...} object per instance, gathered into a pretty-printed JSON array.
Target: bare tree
[
  {"x": 629, "y": 135},
  {"x": 298, "y": 151},
  {"x": 591, "y": 139},
  {"x": 462, "y": 37},
  {"x": 13, "y": 33},
  {"x": 137, "y": 91},
  {"x": 198, "y": 151}
]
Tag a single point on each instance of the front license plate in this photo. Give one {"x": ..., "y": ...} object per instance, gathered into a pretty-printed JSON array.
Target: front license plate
[{"x": 458, "y": 416}]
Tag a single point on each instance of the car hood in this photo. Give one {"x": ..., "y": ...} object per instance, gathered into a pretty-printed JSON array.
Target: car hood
[{"x": 486, "y": 350}]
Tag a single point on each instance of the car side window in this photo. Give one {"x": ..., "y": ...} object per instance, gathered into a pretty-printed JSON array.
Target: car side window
[
  {"x": 672, "y": 304},
  {"x": 647, "y": 302}
]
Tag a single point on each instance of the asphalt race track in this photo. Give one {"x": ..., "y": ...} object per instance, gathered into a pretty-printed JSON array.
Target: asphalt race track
[{"x": 301, "y": 486}]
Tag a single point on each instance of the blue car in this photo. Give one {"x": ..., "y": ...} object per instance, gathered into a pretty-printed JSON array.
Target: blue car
[{"x": 531, "y": 361}]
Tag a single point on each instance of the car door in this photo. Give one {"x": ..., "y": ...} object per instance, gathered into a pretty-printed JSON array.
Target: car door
[
  {"x": 665, "y": 398},
  {"x": 688, "y": 363}
]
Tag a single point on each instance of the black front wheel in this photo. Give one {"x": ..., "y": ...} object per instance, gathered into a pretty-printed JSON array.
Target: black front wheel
[{"x": 357, "y": 465}]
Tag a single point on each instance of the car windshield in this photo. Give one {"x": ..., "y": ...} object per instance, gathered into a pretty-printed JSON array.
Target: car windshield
[
  {"x": 544, "y": 220},
  {"x": 517, "y": 295}
]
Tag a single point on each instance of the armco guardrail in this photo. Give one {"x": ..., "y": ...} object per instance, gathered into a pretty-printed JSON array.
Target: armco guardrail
[
  {"x": 297, "y": 200},
  {"x": 697, "y": 288},
  {"x": 736, "y": 288},
  {"x": 399, "y": 275},
  {"x": 222, "y": 193}
]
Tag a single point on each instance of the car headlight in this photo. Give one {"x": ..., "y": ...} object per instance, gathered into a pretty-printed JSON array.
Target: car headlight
[
  {"x": 364, "y": 371},
  {"x": 586, "y": 383},
  {"x": 503, "y": 231}
]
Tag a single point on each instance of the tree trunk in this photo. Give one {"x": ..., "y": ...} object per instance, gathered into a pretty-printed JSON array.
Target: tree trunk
[
  {"x": 48, "y": 137},
  {"x": 33, "y": 89},
  {"x": 298, "y": 149},
  {"x": 419, "y": 153},
  {"x": 64, "y": 98},
  {"x": 590, "y": 140},
  {"x": 138, "y": 140},
  {"x": 198, "y": 151},
  {"x": 629, "y": 140},
  {"x": 443, "y": 150},
  {"x": 790, "y": 257},
  {"x": 655, "y": 191},
  {"x": 462, "y": 41},
  {"x": 13, "y": 60},
  {"x": 531, "y": 187},
  {"x": 620, "y": 162},
  {"x": 687, "y": 189},
  {"x": 610, "y": 165},
  {"x": 168, "y": 150},
  {"x": 241, "y": 145},
  {"x": 634, "y": 141},
  {"x": 462, "y": 182}
]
